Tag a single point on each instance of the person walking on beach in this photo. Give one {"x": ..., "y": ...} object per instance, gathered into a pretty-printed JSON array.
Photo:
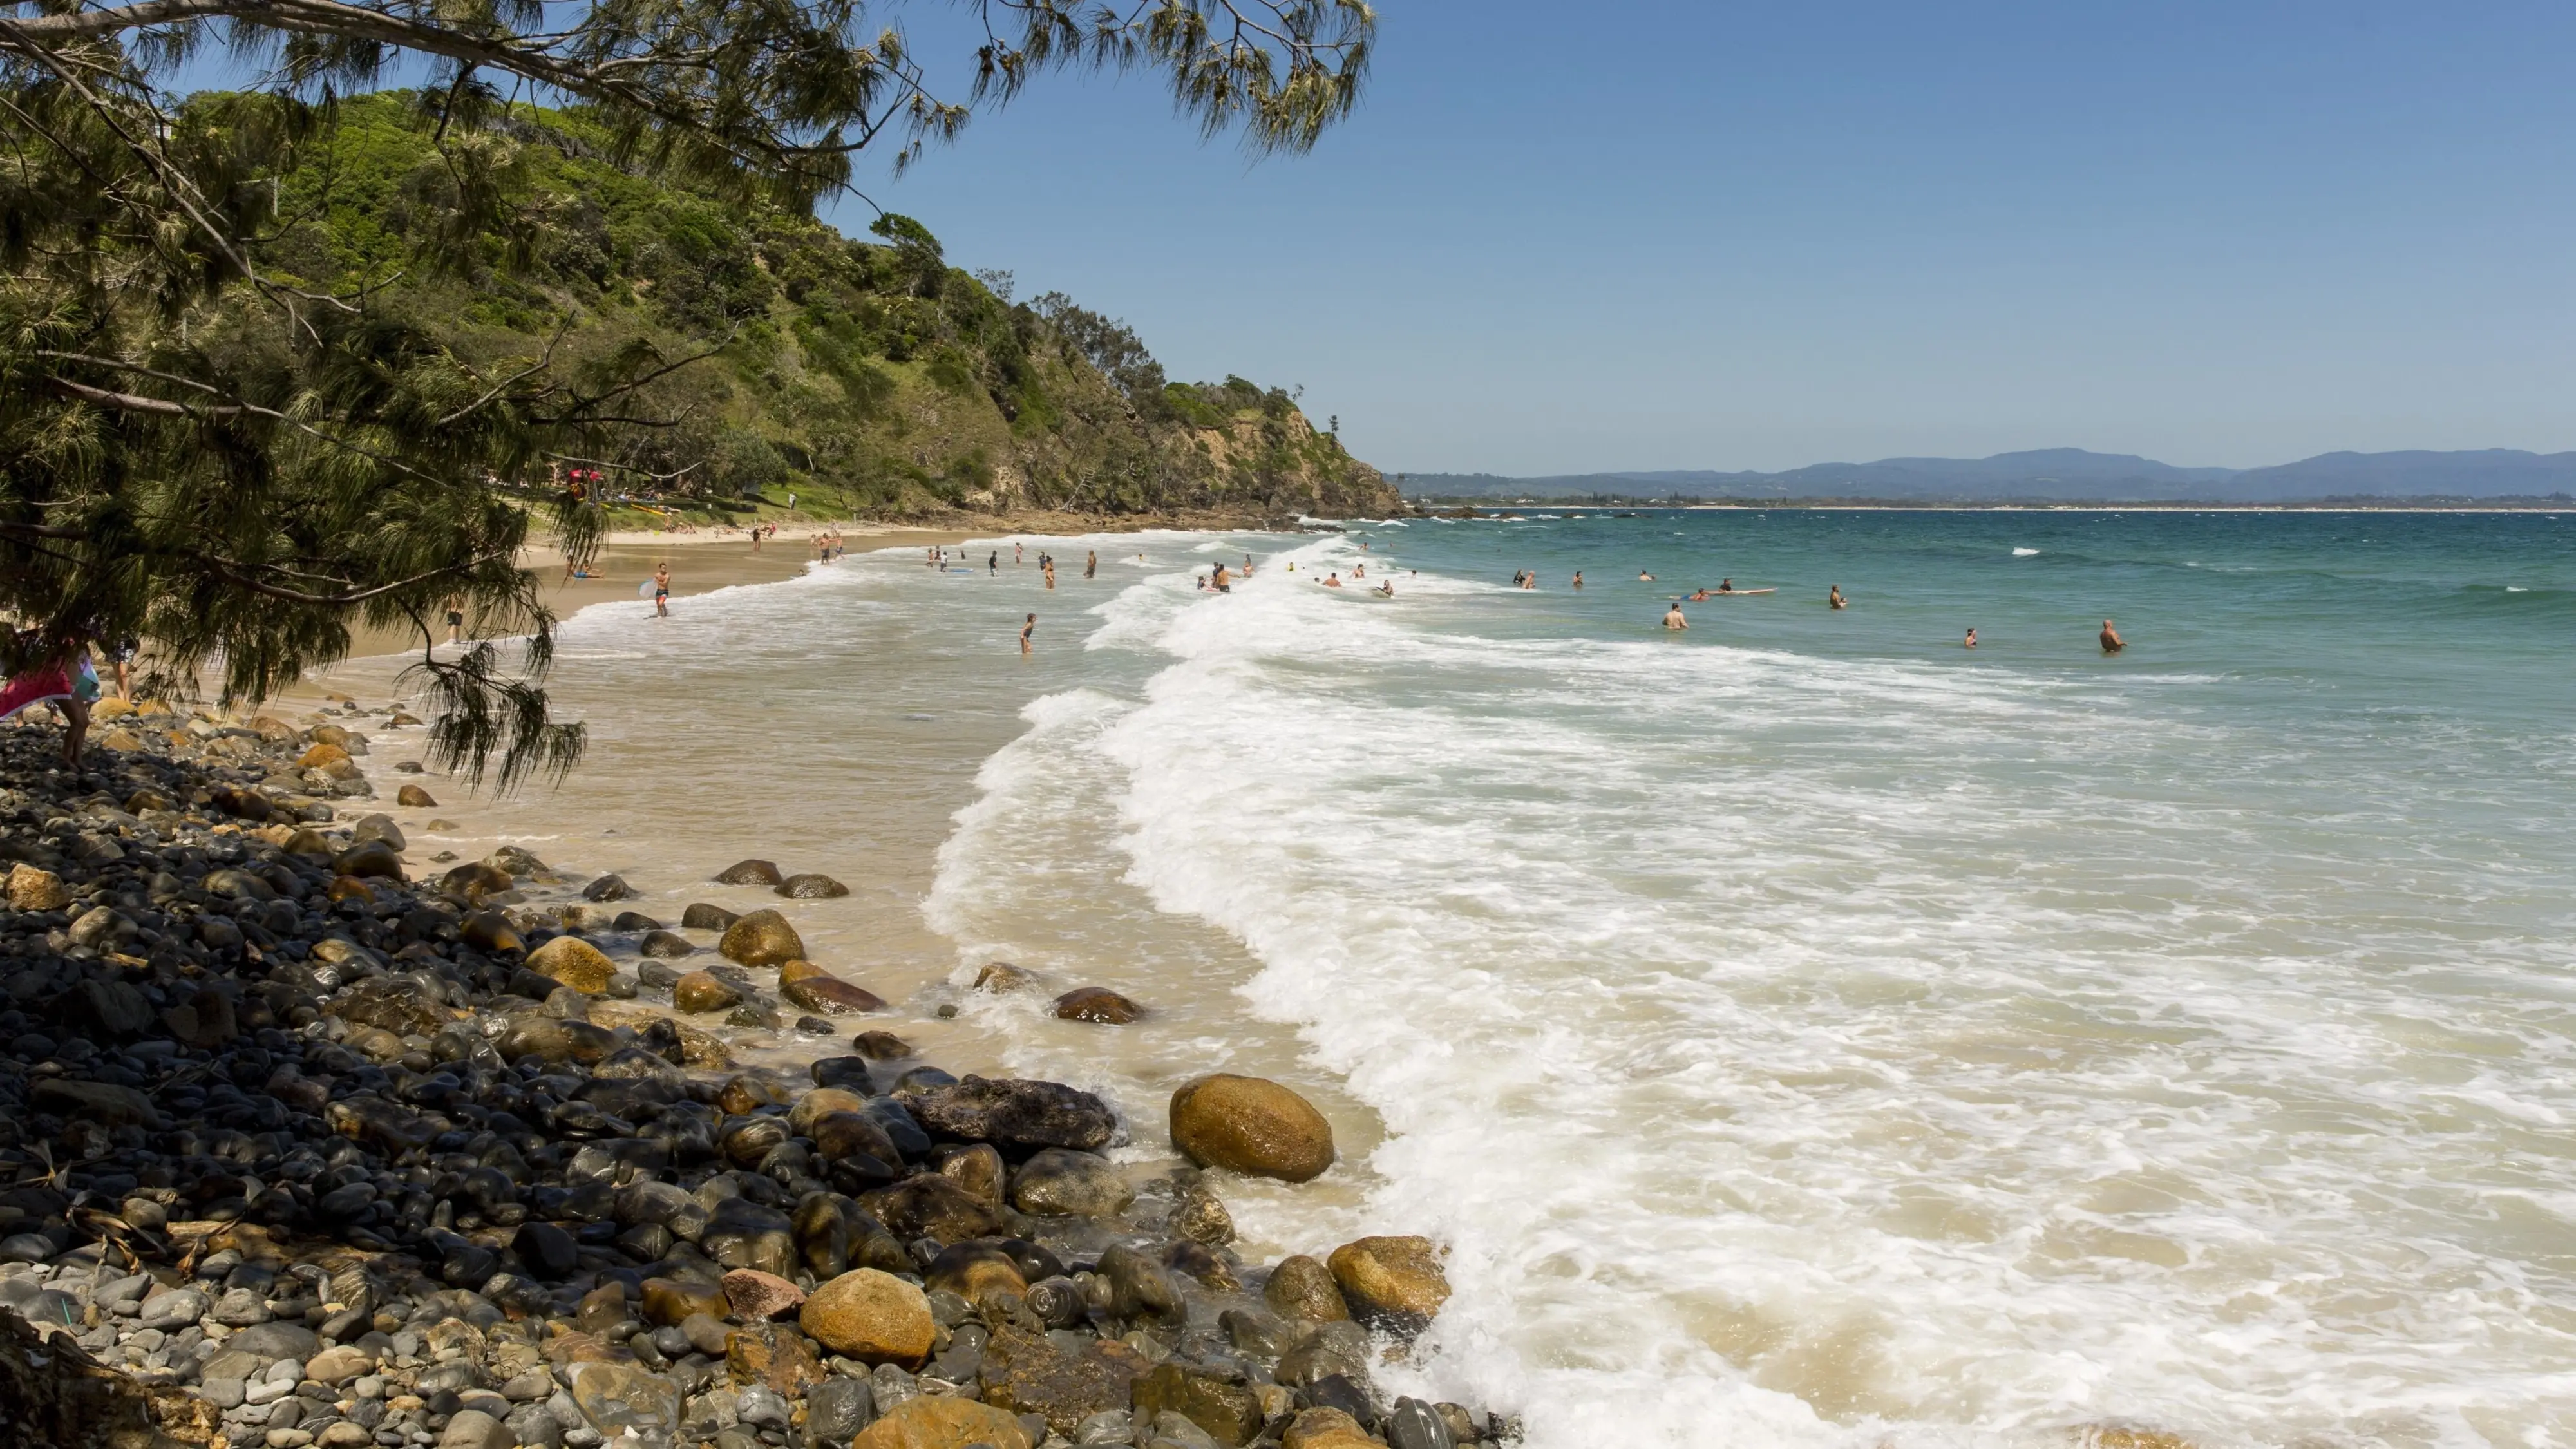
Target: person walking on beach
[
  {"x": 68, "y": 682},
  {"x": 1673, "y": 617},
  {"x": 455, "y": 619},
  {"x": 120, "y": 657},
  {"x": 1091, "y": 563},
  {"x": 2112, "y": 643},
  {"x": 1833, "y": 596},
  {"x": 1026, "y": 629},
  {"x": 662, "y": 589},
  {"x": 755, "y": 538}
]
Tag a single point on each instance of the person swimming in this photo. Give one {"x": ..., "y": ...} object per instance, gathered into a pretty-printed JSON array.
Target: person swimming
[
  {"x": 1333, "y": 580},
  {"x": 1644, "y": 577},
  {"x": 1701, "y": 597},
  {"x": 1673, "y": 618},
  {"x": 1833, "y": 596},
  {"x": 2112, "y": 643},
  {"x": 1726, "y": 586},
  {"x": 1387, "y": 588}
]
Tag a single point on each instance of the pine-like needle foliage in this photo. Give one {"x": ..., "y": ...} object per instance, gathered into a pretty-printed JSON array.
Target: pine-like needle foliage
[{"x": 239, "y": 465}]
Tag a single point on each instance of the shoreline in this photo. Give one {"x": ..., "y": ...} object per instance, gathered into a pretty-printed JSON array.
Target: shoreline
[{"x": 272, "y": 920}]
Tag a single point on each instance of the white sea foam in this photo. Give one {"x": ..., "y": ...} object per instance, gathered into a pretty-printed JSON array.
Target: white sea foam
[
  {"x": 1801, "y": 1051},
  {"x": 2025, "y": 553}
]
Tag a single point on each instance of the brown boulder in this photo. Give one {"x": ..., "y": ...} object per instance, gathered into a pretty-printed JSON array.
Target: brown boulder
[
  {"x": 31, "y": 889},
  {"x": 1026, "y": 1373},
  {"x": 977, "y": 1169},
  {"x": 415, "y": 797},
  {"x": 872, "y": 1317},
  {"x": 811, "y": 887},
  {"x": 668, "y": 1302},
  {"x": 1301, "y": 1288},
  {"x": 1393, "y": 1283},
  {"x": 704, "y": 991},
  {"x": 930, "y": 1206},
  {"x": 1096, "y": 1003},
  {"x": 574, "y": 962},
  {"x": 815, "y": 989},
  {"x": 774, "y": 1354},
  {"x": 749, "y": 872},
  {"x": 971, "y": 1270},
  {"x": 1001, "y": 978},
  {"x": 943, "y": 1423},
  {"x": 763, "y": 938},
  {"x": 1227, "y": 1411},
  {"x": 1252, "y": 1126},
  {"x": 1326, "y": 1429},
  {"x": 756, "y": 1295},
  {"x": 821, "y": 1102}
]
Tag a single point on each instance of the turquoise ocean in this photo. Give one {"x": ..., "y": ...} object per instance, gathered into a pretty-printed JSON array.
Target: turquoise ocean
[{"x": 1802, "y": 1030}]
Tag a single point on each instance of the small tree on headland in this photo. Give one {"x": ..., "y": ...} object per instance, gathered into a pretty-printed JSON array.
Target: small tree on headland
[{"x": 202, "y": 446}]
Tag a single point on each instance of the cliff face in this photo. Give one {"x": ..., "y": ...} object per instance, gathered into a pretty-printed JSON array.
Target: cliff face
[{"x": 866, "y": 378}]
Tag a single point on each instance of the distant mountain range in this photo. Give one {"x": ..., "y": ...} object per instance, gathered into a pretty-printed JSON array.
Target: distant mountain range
[{"x": 2069, "y": 475}]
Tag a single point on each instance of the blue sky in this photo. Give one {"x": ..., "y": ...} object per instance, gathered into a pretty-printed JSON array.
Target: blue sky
[{"x": 1565, "y": 238}]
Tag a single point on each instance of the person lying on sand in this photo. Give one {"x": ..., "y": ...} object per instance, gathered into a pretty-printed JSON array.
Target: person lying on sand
[
  {"x": 2112, "y": 643},
  {"x": 1673, "y": 618}
]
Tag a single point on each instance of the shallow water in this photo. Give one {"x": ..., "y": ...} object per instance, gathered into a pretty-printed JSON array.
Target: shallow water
[{"x": 1802, "y": 1029}]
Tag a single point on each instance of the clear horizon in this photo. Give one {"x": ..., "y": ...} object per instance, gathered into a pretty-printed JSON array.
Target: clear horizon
[{"x": 1727, "y": 238}]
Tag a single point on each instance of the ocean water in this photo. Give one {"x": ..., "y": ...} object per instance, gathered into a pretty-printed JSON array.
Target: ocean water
[{"x": 1801, "y": 1030}]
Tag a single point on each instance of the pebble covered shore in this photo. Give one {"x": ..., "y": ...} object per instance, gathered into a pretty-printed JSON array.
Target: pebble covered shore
[{"x": 303, "y": 1142}]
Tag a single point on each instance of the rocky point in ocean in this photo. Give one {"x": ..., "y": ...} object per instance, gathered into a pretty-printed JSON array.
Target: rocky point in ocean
[{"x": 302, "y": 1145}]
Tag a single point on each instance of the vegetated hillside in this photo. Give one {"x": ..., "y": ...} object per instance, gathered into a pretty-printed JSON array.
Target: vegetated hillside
[
  {"x": 866, "y": 378},
  {"x": 2062, "y": 475}
]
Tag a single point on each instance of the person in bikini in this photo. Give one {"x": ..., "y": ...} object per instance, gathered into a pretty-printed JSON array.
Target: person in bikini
[{"x": 1026, "y": 629}]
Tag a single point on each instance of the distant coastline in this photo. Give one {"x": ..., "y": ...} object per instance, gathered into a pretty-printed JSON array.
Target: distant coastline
[{"x": 1490, "y": 508}]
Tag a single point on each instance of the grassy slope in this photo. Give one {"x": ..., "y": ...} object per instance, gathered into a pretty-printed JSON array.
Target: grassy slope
[{"x": 868, "y": 380}]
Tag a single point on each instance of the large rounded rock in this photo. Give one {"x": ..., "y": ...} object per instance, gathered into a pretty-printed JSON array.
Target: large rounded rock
[
  {"x": 704, "y": 991},
  {"x": 762, "y": 938},
  {"x": 815, "y": 989},
  {"x": 1252, "y": 1126},
  {"x": 574, "y": 962},
  {"x": 973, "y": 1269},
  {"x": 943, "y": 1423},
  {"x": 1301, "y": 1288},
  {"x": 1325, "y": 1429},
  {"x": 1011, "y": 1113},
  {"x": 415, "y": 797},
  {"x": 872, "y": 1317},
  {"x": 931, "y": 1206},
  {"x": 749, "y": 872},
  {"x": 1393, "y": 1283},
  {"x": 701, "y": 916},
  {"x": 372, "y": 859},
  {"x": 1059, "y": 1182},
  {"x": 811, "y": 887},
  {"x": 1096, "y": 1004},
  {"x": 666, "y": 945}
]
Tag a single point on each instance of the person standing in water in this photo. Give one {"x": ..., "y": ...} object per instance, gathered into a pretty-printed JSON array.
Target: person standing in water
[
  {"x": 1015, "y": 555},
  {"x": 1578, "y": 578},
  {"x": 455, "y": 619},
  {"x": 1833, "y": 596},
  {"x": 1026, "y": 629},
  {"x": 1644, "y": 577},
  {"x": 993, "y": 565},
  {"x": 662, "y": 589},
  {"x": 2112, "y": 643},
  {"x": 1970, "y": 642},
  {"x": 1047, "y": 567},
  {"x": 1091, "y": 563},
  {"x": 1673, "y": 618}
]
